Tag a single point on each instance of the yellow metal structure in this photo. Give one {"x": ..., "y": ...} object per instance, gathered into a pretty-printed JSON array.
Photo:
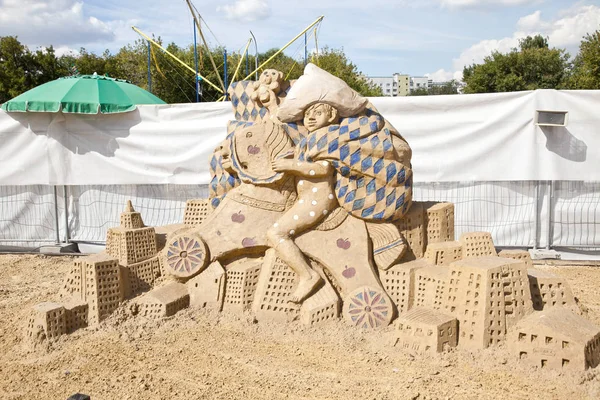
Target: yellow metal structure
[
  {"x": 286, "y": 46},
  {"x": 212, "y": 61},
  {"x": 241, "y": 59},
  {"x": 177, "y": 59}
]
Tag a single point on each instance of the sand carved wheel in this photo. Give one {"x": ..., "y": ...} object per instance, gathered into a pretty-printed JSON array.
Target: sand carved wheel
[
  {"x": 185, "y": 256},
  {"x": 368, "y": 307}
]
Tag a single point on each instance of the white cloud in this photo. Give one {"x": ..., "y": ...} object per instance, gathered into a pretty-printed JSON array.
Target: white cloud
[
  {"x": 246, "y": 10},
  {"x": 441, "y": 75},
  {"x": 62, "y": 50},
  {"x": 483, "y": 3},
  {"x": 570, "y": 29},
  {"x": 563, "y": 32},
  {"x": 57, "y": 22}
]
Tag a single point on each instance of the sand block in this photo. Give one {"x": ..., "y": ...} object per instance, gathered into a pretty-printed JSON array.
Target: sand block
[
  {"x": 430, "y": 287},
  {"x": 413, "y": 228},
  {"x": 548, "y": 290},
  {"x": 522, "y": 255},
  {"x": 97, "y": 281},
  {"x": 241, "y": 283},
  {"x": 488, "y": 295},
  {"x": 426, "y": 330},
  {"x": 131, "y": 242},
  {"x": 131, "y": 219},
  {"x": 164, "y": 301},
  {"x": 46, "y": 319},
  {"x": 207, "y": 290},
  {"x": 440, "y": 222},
  {"x": 556, "y": 338},
  {"x": 196, "y": 211},
  {"x": 398, "y": 282},
  {"x": 477, "y": 244},
  {"x": 76, "y": 315},
  {"x": 321, "y": 307},
  {"x": 443, "y": 253},
  {"x": 140, "y": 277},
  {"x": 276, "y": 283},
  {"x": 131, "y": 246}
]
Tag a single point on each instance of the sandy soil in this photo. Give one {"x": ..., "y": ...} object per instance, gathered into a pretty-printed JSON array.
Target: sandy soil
[{"x": 203, "y": 355}]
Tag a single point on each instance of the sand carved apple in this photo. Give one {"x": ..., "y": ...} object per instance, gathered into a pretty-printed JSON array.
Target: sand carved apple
[
  {"x": 253, "y": 149},
  {"x": 348, "y": 272},
  {"x": 248, "y": 242},
  {"x": 238, "y": 217},
  {"x": 343, "y": 243}
]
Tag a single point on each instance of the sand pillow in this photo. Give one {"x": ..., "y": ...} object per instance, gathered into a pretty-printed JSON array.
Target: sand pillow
[{"x": 319, "y": 86}]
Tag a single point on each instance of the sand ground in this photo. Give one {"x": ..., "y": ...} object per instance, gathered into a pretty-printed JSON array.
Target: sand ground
[{"x": 206, "y": 355}]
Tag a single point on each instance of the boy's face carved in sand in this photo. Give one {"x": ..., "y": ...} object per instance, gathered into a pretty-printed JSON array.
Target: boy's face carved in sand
[{"x": 319, "y": 115}]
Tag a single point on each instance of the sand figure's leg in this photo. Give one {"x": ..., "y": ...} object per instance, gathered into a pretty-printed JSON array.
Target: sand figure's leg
[{"x": 296, "y": 220}]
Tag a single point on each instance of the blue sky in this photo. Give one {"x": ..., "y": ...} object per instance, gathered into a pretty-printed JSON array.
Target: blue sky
[{"x": 434, "y": 37}]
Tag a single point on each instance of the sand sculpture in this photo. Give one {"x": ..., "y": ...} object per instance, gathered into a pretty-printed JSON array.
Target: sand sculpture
[{"x": 310, "y": 218}]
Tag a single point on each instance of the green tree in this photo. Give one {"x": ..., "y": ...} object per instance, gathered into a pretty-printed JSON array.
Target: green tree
[
  {"x": 22, "y": 69},
  {"x": 586, "y": 66},
  {"x": 450, "y": 87},
  {"x": 532, "y": 66},
  {"x": 419, "y": 92},
  {"x": 16, "y": 66}
]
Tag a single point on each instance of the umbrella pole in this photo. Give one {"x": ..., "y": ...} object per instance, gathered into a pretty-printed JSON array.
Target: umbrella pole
[
  {"x": 56, "y": 225},
  {"x": 66, "y": 202}
]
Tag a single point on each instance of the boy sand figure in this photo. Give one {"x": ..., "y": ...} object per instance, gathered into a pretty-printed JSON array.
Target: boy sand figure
[{"x": 314, "y": 185}]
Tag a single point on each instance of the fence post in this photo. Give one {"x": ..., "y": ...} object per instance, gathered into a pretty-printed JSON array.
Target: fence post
[
  {"x": 550, "y": 214},
  {"x": 537, "y": 216}
]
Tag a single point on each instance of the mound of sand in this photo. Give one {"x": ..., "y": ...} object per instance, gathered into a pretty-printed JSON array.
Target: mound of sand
[{"x": 199, "y": 354}]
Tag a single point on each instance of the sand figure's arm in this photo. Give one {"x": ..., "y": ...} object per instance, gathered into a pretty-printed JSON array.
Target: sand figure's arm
[{"x": 317, "y": 169}]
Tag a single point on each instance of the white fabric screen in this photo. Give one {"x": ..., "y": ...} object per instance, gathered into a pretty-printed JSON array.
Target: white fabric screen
[{"x": 488, "y": 137}]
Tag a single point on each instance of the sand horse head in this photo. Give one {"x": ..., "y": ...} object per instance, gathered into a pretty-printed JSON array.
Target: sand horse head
[{"x": 250, "y": 150}]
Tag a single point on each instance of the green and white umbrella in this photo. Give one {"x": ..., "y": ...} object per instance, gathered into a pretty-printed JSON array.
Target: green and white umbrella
[{"x": 82, "y": 94}]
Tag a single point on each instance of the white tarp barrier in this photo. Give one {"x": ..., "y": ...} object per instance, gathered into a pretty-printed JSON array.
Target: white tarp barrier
[{"x": 488, "y": 137}]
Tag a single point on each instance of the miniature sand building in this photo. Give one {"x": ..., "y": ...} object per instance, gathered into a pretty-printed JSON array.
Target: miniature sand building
[
  {"x": 443, "y": 253},
  {"x": 399, "y": 283},
  {"x": 548, "y": 290},
  {"x": 99, "y": 280},
  {"x": 522, "y": 255},
  {"x": 430, "y": 286},
  {"x": 487, "y": 295},
  {"x": 241, "y": 281},
  {"x": 164, "y": 301},
  {"x": 477, "y": 244},
  {"x": 134, "y": 245},
  {"x": 413, "y": 228},
  {"x": 440, "y": 222},
  {"x": 556, "y": 338},
  {"x": 47, "y": 318},
  {"x": 424, "y": 329},
  {"x": 207, "y": 289}
]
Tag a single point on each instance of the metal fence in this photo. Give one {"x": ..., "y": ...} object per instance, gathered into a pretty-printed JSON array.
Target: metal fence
[{"x": 527, "y": 214}]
